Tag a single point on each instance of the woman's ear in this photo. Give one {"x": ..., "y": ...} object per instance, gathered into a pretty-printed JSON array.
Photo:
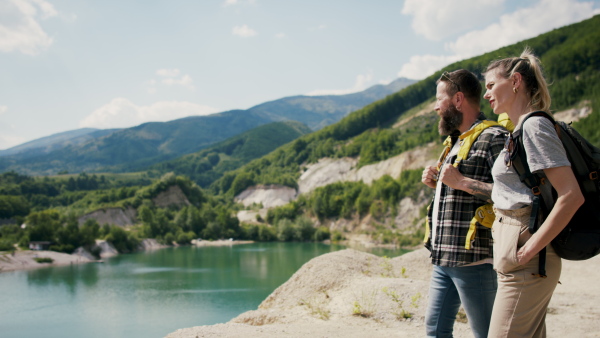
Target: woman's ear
[{"x": 517, "y": 78}]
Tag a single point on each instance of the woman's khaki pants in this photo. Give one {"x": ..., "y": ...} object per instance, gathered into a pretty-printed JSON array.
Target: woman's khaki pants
[{"x": 522, "y": 297}]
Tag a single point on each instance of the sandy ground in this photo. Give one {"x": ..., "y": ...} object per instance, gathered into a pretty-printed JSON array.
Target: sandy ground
[{"x": 355, "y": 294}]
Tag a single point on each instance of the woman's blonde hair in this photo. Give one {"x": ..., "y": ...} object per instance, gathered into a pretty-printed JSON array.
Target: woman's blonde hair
[{"x": 529, "y": 66}]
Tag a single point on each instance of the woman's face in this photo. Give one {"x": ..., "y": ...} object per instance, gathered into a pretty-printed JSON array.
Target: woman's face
[{"x": 499, "y": 92}]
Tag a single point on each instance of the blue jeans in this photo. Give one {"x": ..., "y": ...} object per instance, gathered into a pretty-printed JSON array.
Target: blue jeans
[{"x": 475, "y": 286}]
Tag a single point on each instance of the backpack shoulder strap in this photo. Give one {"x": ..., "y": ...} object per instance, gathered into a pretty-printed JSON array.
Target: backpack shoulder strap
[
  {"x": 532, "y": 181},
  {"x": 519, "y": 157},
  {"x": 468, "y": 138}
]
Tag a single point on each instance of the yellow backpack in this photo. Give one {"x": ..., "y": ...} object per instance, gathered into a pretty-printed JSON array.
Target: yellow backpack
[{"x": 485, "y": 213}]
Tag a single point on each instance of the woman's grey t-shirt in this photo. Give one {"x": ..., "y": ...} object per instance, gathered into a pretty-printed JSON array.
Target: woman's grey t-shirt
[{"x": 544, "y": 151}]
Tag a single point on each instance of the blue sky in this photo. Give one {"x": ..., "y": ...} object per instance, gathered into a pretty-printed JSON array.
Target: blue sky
[{"x": 68, "y": 64}]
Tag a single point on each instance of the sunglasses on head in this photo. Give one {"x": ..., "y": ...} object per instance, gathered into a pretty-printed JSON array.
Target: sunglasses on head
[
  {"x": 509, "y": 146},
  {"x": 447, "y": 76}
]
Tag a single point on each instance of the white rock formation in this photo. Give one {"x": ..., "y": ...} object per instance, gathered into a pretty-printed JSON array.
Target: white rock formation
[
  {"x": 115, "y": 216},
  {"x": 268, "y": 195}
]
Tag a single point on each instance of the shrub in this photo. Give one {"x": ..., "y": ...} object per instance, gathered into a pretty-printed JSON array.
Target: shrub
[
  {"x": 169, "y": 238},
  {"x": 337, "y": 236},
  {"x": 6, "y": 245},
  {"x": 285, "y": 230},
  {"x": 266, "y": 233},
  {"x": 44, "y": 260},
  {"x": 321, "y": 234},
  {"x": 122, "y": 240},
  {"x": 184, "y": 238},
  {"x": 304, "y": 229},
  {"x": 66, "y": 248}
]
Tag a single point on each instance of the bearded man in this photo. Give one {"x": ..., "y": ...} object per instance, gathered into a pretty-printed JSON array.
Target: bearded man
[{"x": 460, "y": 275}]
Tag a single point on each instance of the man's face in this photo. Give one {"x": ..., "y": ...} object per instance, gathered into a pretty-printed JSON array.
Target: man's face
[{"x": 450, "y": 117}]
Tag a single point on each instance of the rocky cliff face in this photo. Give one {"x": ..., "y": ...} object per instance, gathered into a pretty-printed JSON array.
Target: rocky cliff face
[
  {"x": 115, "y": 216},
  {"x": 329, "y": 171},
  {"x": 124, "y": 217},
  {"x": 269, "y": 196},
  {"x": 172, "y": 196}
]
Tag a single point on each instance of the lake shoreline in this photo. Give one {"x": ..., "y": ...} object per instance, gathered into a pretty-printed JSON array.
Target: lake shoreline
[{"x": 26, "y": 259}]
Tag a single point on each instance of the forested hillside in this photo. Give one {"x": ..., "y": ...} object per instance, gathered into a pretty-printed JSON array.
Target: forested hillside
[
  {"x": 208, "y": 165},
  {"x": 57, "y": 141}
]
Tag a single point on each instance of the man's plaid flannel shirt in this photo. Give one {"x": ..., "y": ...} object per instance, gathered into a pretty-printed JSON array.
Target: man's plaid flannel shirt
[{"x": 457, "y": 207}]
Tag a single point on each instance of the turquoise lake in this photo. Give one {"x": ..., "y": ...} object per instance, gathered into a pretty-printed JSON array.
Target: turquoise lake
[{"x": 149, "y": 294}]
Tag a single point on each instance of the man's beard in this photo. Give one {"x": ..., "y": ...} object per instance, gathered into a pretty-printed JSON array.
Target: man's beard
[{"x": 450, "y": 121}]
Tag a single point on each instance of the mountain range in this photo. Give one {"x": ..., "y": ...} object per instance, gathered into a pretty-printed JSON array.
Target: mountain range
[{"x": 136, "y": 148}]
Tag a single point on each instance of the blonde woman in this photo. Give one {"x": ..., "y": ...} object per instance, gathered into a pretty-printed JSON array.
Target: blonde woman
[{"x": 517, "y": 86}]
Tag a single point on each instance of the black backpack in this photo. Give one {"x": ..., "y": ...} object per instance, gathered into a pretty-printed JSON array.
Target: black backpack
[{"x": 580, "y": 239}]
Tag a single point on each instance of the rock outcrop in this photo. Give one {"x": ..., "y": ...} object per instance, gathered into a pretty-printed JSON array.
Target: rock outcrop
[
  {"x": 172, "y": 196},
  {"x": 106, "y": 249},
  {"x": 114, "y": 216},
  {"x": 575, "y": 114},
  {"x": 329, "y": 170},
  {"x": 25, "y": 259},
  {"x": 269, "y": 196}
]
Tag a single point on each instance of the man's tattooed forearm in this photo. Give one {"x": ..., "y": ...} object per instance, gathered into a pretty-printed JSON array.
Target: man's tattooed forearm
[{"x": 481, "y": 190}]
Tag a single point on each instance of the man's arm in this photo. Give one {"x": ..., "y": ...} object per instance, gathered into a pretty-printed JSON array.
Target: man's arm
[
  {"x": 493, "y": 142},
  {"x": 451, "y": 177}
]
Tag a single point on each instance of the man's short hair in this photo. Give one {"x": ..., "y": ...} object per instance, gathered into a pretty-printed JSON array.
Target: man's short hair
[{"x": 462, "y": 81}]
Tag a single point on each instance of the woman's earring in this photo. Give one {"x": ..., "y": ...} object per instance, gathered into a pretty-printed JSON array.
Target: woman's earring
[{"x": 515, "y": 90}]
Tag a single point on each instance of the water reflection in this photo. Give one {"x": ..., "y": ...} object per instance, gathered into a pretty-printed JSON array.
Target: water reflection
[
  {"x": 69, "y": 276},
  {"x": 152, "y": 270}
]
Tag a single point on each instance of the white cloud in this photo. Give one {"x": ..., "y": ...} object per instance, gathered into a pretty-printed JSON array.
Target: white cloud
[
  {"x": 421, "y": 66},
  {"x": 185, "y": 81},
  {"x": 9, "y": 141},
  {"x": 522, "y": 24},
  {"x": 435, "y": 19},
  {"x": 19, "y": 27},
  {"x": 360, "y": 84},
  {"x": 237, "y": 2},
  {"x": 48, "y": 10},
  {"x": 168, "y": 72},
  {"x": 243, "y": 31},
  {"x": 170, "y": 78},
  {"x": 3, "y": 109},
  {"x": 280, "y": 35},
  {"x": 317, "y": 28},
  {"x": 121, "y": 113}
]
